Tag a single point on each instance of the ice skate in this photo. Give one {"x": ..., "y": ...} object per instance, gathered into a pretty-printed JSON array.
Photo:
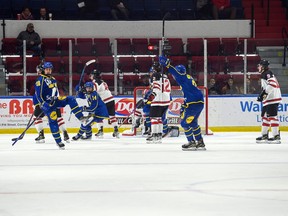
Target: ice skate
[
  {"x": 190, "y": 146},
  {"x": 262, "y": 139},
  {"x": 66, "y": 137},
  {"x": 115, "y": 132},
  {"x": 154, "y": 138},
  {"x": 40, "y": 138},
  {"x": 100, "y": 133},
  {"x": 77, "y": 137},
  {"x": 200, "y": 145},
  {"x": 86, "y": 137},
  {"x": 61, "y": 145},
  {"x": 275, "y": 140},
  {"x": 150, "y": 139},
  {"x": 147, "y": 131}
]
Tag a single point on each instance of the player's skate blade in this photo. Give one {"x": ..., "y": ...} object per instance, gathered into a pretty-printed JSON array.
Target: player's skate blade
[{"x": 61, "y": 146}]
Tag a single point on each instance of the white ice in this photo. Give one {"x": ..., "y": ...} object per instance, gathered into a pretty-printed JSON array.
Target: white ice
[{"x": 126, "y": 176}]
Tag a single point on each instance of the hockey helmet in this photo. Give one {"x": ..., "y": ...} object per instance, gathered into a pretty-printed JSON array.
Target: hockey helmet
[
  {"x": 88, "y": 85},
  {"x": 96, "y": 74},
  {"x": 264, "y": 63},
  {"x": 48, "y": 65},
  {"x": 181, "y": 69},
  {"x": 39, "y": 68},
  {"x": 156, "y": 67}
]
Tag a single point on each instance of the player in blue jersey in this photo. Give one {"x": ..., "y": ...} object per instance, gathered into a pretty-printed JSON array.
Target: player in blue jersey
[
  {"x": 96, "y": 109},
  {"x": 39, "y": 115},
  {"x": 192, "y": 106},
  {"x": 47, "y": 96}
]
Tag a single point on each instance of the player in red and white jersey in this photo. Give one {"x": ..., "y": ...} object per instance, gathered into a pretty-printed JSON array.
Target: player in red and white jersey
[
  {"x": 160, "y": 101},
  {"x": 103, "y": 90},
  {"x": 270, "y": 97}
]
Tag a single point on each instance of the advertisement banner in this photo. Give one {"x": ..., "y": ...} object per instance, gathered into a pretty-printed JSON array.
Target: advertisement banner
[{"x": 222, "y": 112}]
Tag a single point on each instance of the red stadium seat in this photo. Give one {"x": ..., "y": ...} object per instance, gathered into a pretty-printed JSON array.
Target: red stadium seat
[
  {"x": 14, "y": 64},
  {"x": 235, "y": 63},
  {"x": 105, "y": 64},
  {"x": 102, "y": 47},
  {"x": 75, "y": 64},
  {"x": 213, "y": 46},
  {"x": 9, "y": 46},
  {"x": 140, "y": 46},
  {"x": 195, "y": 46},
  {"x": 84, "y": 46},
  {"x": 217, "y": 64},
  {"x": 143, "y": 64},
  {"x": 126, "y": 64},
  {"x": 124, "y": 46},
  {"x": 64, "y": 46},
  {"x": 176, "y": 46},
  {"x": 176, "y": 60},
  {"x": 230, "y": 46},
  {"x": 50, "y": 46}
]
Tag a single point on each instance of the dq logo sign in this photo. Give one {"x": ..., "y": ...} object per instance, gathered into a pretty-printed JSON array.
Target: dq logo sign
[
  {"x": 175, "y": 106},
  {"x": 124, "y": 106},
  {"x": 21, "y": 107}
]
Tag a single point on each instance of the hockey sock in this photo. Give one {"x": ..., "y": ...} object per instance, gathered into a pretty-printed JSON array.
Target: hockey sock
[
  {"x": 38, "y": 124},
  {"x": 197, "y": 133},
  {"x": 113, "y": 121},
  {"x": 274, "y": 123},
  {"x": 189, "y": 133},
  {"x": 265, "y": 125},
  {"x": 61, "y": 124}
]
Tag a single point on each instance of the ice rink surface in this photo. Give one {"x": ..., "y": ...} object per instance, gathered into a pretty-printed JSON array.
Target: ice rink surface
[{"x": 126, "y": 176}]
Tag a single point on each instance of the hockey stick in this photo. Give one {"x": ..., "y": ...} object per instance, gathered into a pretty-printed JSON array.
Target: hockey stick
[
  {"x": 167, "y": 15},
  {"x": 81, "y": 78},
  {"x": 21, "y": 137},
  {"x": 24, "y": 132}
]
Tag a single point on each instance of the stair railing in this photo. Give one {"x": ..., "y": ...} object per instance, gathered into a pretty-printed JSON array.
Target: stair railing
[{"x": 285, "y": 40}]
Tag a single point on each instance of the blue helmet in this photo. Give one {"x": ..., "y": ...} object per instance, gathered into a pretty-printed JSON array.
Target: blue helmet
[
  {"x": 89, "y": 85},
  {"x": 48, "y": 65},
  {"x": 181, "y": 69}
]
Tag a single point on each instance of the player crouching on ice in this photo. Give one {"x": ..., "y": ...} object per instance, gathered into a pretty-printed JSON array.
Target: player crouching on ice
[
  {"x": 97, "y": 111},
  {"x": 192, "y": 106}
]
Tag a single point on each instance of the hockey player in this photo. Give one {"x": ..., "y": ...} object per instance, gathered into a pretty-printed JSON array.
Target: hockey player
[
  {"x": 96, "y": 108},
  {"x": 270, "y": 97},
  {"x": 47, "y": 96},
  {"x": 160, "y": 101},
  {"x": 192, "y": 106},
  {"x": 39, "y": 122},
  {"x": 103, "y": 90}
]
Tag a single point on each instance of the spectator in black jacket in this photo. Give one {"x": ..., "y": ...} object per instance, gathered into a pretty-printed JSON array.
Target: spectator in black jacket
[
  {"x": 118, "y": 10},
  {"x": 33, "y": 40}
]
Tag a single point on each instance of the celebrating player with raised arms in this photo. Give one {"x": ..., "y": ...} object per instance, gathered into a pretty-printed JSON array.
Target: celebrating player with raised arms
[{"x": 192, "y": 106}]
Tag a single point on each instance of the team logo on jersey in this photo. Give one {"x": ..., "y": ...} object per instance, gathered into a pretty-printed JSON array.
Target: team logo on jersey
[
  {"x": 175, "y": 106},
  {"x": 53, "y": 115},
  {"x": 124, "y": 107}
]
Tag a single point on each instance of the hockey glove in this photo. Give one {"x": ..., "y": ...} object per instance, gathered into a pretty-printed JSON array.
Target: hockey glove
[
  {"x": 261, "y": 96},
  {"x": 151, "y": 98},
  {"x": 84, "y": 109},
  {"x": 46, "y": 107},
  {"x": 164, "y": 61}
]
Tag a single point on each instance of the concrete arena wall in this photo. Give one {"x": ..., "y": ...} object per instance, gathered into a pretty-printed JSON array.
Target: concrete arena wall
[{"x": 132, "y": 29}]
